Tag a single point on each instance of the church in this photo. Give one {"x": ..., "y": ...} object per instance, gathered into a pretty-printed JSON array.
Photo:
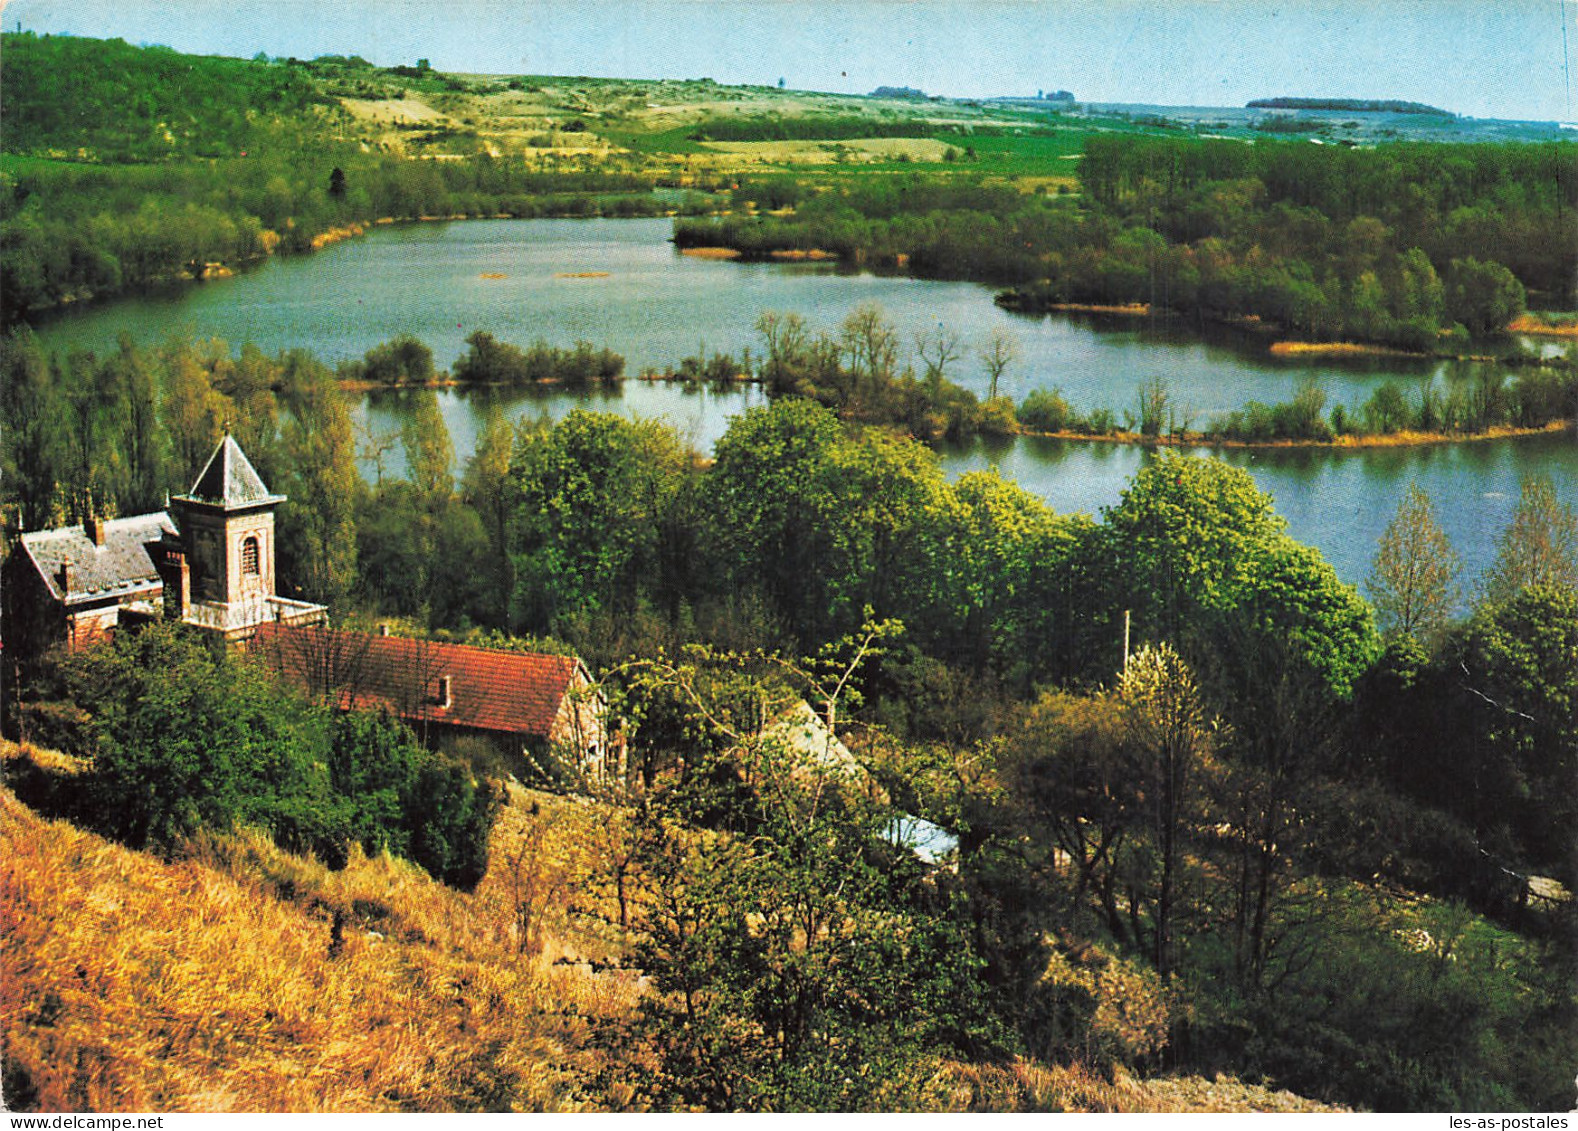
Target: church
[{"x": 207, "y": 560}]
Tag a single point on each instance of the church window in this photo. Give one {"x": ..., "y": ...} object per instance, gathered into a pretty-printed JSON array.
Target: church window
[{"x": 249, "y": 557}]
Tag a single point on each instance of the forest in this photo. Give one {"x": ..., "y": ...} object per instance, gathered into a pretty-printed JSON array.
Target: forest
[
  {"x": 1394, "y": 245},
  {"x": 1227, "y": 827}
]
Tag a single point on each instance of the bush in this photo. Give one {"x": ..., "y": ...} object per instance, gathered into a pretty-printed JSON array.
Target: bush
[
  {"x": 1046, "y": 411},
  {"x": 182, "y": 738}
]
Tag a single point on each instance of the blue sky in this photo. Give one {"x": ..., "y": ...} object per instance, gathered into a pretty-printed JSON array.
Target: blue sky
[{"x": 1486, "y": 58}]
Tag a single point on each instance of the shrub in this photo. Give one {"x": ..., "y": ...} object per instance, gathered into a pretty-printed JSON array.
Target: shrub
[{"x": 1046, "y": 411}]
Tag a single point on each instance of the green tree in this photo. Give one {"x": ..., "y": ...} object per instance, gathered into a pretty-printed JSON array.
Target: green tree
[
  {"x": 1169, "y": 732},
  {"x": 317, "y": 525},
  {"x": 1539, "y": 547},
  {"x": 30, "y": 409},
  {"x": 429, "y": 454},
  {"x": 1516, "y": 665},
  {"x": 1182, "y": 537},
  {"x": 776, "y": 990},
  {"x": 1413, "y": 580},
  {"x": 592, "y": 496},
  {"x": 184, "y": 739},
  {"x": 194, "y": 413},
  {"x": 486, "y": 488},
  {"x": 985, "y": 593},
  {"x": 1483, "y": 296}
]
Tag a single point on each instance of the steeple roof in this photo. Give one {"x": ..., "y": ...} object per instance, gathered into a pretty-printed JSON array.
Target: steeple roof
[{"x": 230, "y": 480}]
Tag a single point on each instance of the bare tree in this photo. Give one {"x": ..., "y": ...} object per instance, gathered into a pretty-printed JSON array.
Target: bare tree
[
  {"x": 869, "y": 340},
  {"x": 938, "y": 349},
  {"x": 1001, "y": 351}
]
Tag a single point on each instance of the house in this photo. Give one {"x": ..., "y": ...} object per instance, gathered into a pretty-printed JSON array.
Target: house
[
  {"x": 540, "y": 712},
  {"x": 208, "y": 561}
]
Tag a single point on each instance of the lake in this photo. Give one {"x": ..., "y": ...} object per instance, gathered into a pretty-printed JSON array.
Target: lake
[{"x": 620, "y": 283}]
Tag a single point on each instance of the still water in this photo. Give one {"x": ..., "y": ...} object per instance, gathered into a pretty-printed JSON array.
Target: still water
[{"x": 621, "y": 284}]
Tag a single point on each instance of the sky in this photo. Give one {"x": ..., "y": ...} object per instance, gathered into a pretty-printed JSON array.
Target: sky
[{"x": 1484, "y": 58}]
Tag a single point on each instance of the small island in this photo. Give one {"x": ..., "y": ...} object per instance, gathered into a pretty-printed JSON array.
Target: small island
[{"x": 1349, "y": 106}]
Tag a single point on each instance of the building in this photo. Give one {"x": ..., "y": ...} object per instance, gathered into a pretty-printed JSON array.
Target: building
[
  {"x": 542, "y": 714},
  {"x": 208, "y": 561}
]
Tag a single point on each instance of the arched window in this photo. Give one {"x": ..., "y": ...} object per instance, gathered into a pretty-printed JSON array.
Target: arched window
[{"x": 249, "y": 558}]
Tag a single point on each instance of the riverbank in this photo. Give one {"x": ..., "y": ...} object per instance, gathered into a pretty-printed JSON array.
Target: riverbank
[
  {"x": 1556, "y": 327},
  {"x": 1400, "y": 439},
  {"x": 1340, "y": 349}
]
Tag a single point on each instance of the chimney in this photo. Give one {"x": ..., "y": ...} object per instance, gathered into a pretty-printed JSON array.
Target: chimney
[
  {"x": 93, "y": 527},
  {"x": 63, "y": 576},
  {"x": 444, "y": 688},
  {"x": 175, "y": 574}
]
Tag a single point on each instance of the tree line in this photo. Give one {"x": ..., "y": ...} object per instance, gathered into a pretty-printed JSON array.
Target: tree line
[
  {"x": 129, "y": 167},
  {"x": 1397, "y": 245}
]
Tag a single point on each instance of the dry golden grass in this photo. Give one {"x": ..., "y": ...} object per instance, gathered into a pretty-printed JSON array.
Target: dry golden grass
[
  {"x": 1025, "y": 1086},
  {"x": 1556, "y": 326},
  {"x": 214, "y": 981},
  {"x": 1338, "y": 349}
]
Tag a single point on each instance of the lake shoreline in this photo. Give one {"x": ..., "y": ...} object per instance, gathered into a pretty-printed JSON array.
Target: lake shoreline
[{"x": 1339, "y": 443}]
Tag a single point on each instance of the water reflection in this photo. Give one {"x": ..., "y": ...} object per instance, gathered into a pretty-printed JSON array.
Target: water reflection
[{"x": 620, "y": 283}]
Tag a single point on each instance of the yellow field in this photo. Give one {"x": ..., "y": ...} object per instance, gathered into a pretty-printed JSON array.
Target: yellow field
[{"x": 862, "y": 150}]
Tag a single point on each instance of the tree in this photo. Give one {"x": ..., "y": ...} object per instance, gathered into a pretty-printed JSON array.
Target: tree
[
  {"x": 1169, "y": 735},
  {"x": 788, "y": 355},
  {"x": 1001, "y": 351},
  {"x": 30, "y": 429},
  {"x": 1539, "y": 547},
  {"x": 1413, "y": 581},
  {"x": 777, "y": 987},
  {"x": 183, "y": 739},
  {"x": 317, "y": 524},
  {"x": 194, "y": 413},
  {"x": 429, "y": 454},
  {"x": 1516, "y": 667},
  {"x": 983, "y": 596},
  {"x": 872, "y": 346},
  {"x": 821, "y": 522},
  {"x": 1181, "y": 538},
  {"x": 1483, "y": 296},
  {"x": 486, "y": 489},
  {"x": 938, "y": 349},
  {"x": 592, "y": 498}
]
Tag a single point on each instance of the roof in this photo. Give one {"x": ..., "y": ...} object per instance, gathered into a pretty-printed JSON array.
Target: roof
[
  {"x": 120, "y": 567},
  {"x": 505, "y": 692},
  {"x": 230, "y": 480},
  {"x": 801, "y": 731}
]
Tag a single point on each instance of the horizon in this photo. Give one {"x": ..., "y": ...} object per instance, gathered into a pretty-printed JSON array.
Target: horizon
[{"x": 1509, "y": 61}]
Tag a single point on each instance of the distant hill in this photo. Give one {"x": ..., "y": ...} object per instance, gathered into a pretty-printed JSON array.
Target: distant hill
[{"x": 1349, "y": 105}]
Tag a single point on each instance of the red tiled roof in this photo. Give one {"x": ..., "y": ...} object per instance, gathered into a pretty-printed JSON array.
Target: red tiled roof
[{"x": 505, "y": 692}]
